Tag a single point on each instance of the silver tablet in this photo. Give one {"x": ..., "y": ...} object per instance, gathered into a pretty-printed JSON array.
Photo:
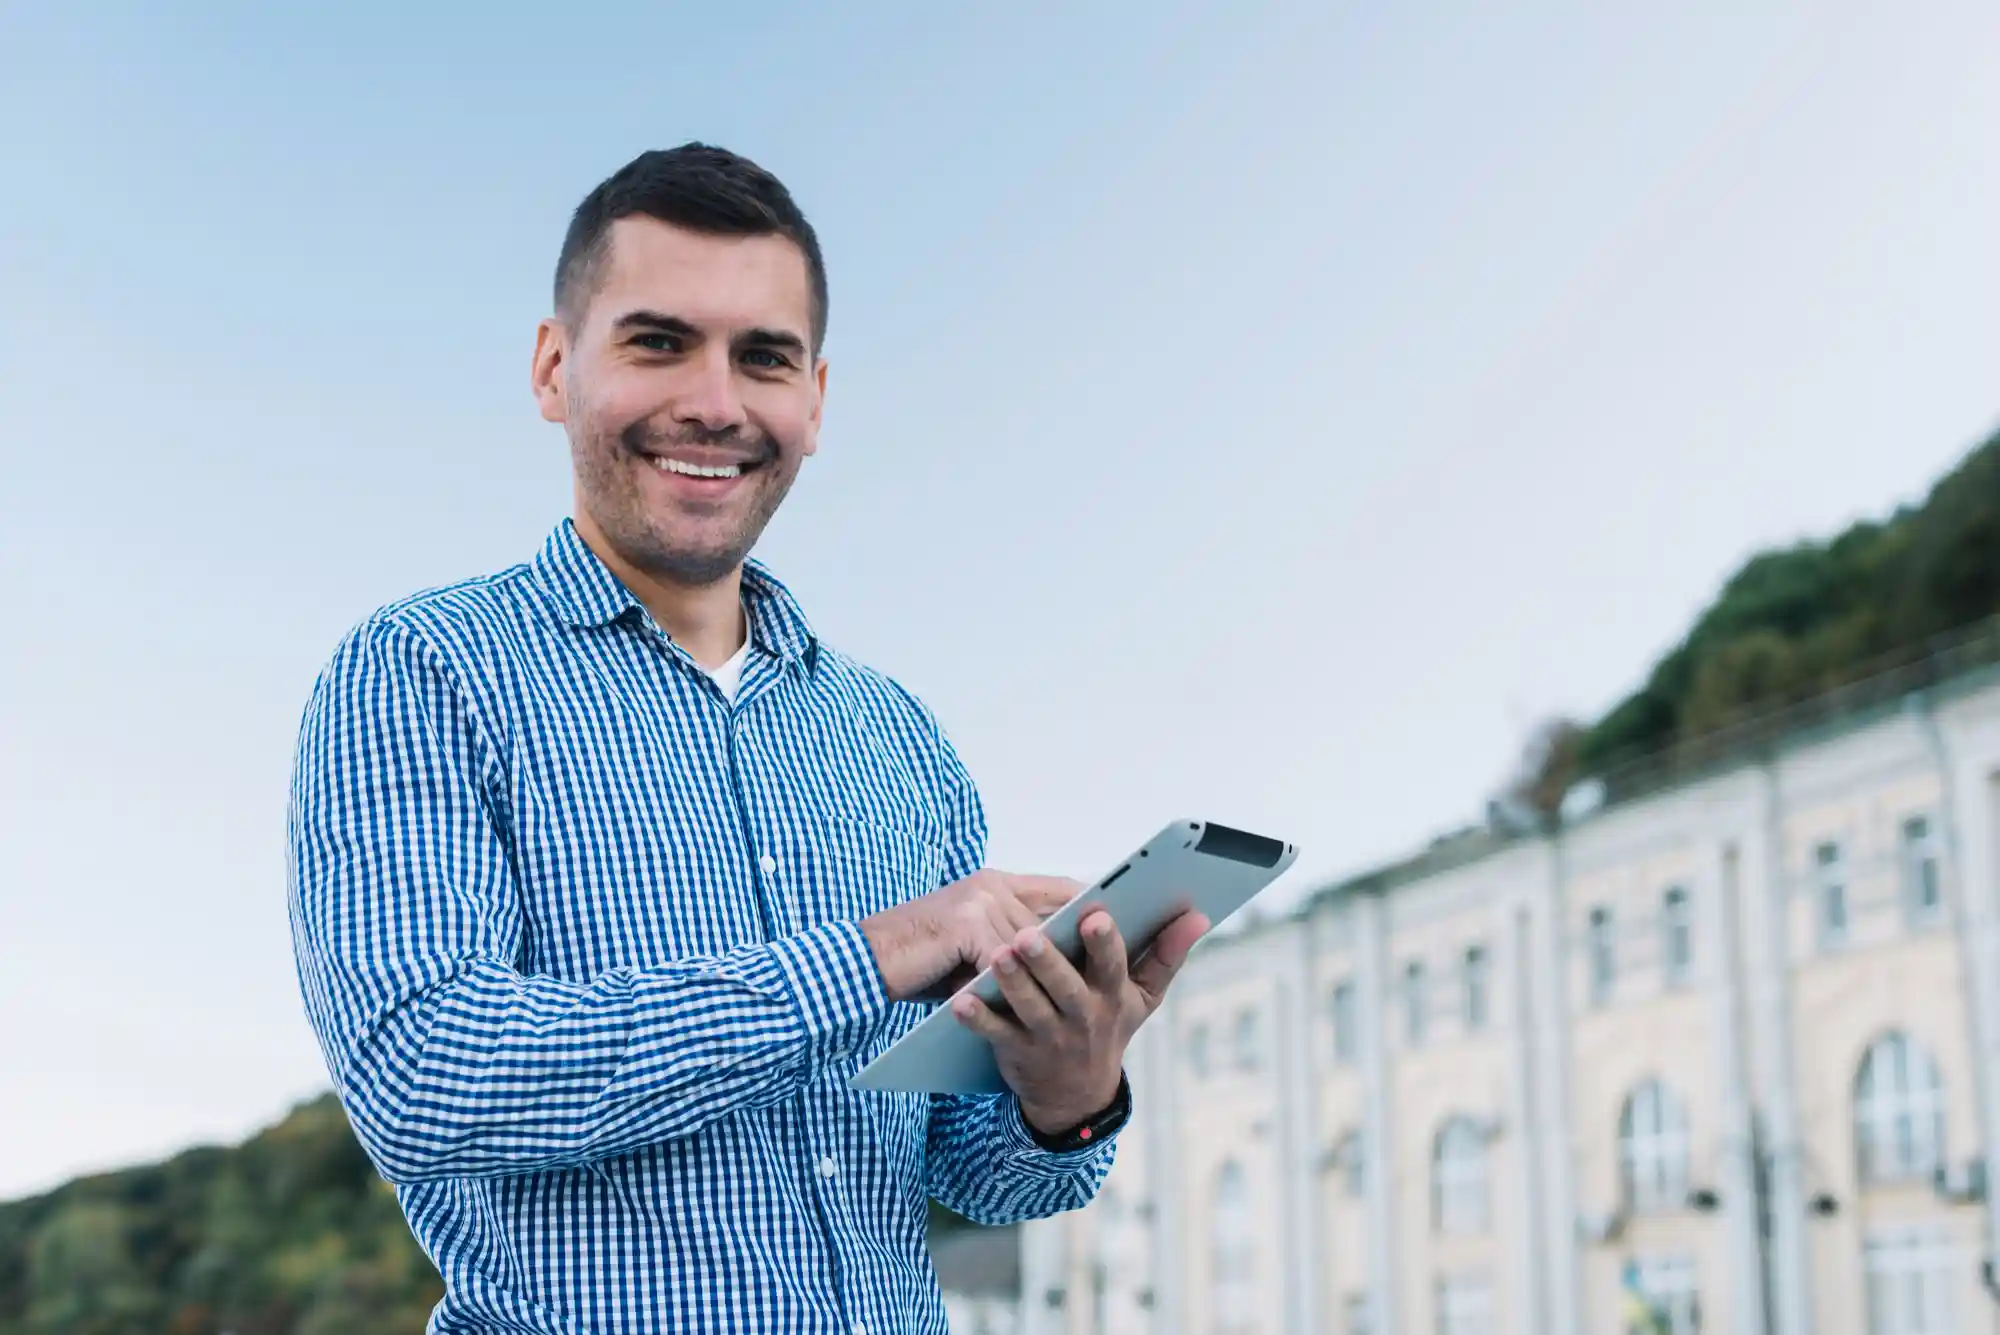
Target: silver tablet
[{"x": 1191, "y": 864}]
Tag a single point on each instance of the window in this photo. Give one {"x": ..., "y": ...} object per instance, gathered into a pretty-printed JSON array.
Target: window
[
  {"x": 1662, "y": 1288},
  {"x": 1359, "y": 1315},
  {"x": 1830, "y": 893},
  {"x": 1910, "y": 1272},
  {"x": 1898, "y": 1112},
  {"x": 1458, "y": 1178},
  {"x": 1249, "y": 1041},
  {"x": 1603, "y": 956},
  {"x": 1346, "y": 1025},
  {"x": 1653, "y": 1150},
  {"x": 1465, "y": 1305},
  {"x": 1416, "y": 1002},
  {"x": 1923, "y": 892},
  {"x": 1475, "y": 988},
  {"x": 1676, "y": 935},
  {"x": 1233, "y": 1255},
  {"x": 1350, "y": 1156},
  {"x": 1197, "y": 1049}
]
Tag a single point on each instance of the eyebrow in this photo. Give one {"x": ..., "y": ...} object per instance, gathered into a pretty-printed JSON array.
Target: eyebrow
[{"x": 776, "y": 339}]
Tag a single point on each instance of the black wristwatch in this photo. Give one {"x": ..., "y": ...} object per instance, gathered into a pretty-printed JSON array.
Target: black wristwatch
[{"x": 1091, "y": 1130}]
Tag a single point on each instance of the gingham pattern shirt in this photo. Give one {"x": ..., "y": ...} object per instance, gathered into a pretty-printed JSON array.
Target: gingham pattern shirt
[{"x": 578, "y": 937}]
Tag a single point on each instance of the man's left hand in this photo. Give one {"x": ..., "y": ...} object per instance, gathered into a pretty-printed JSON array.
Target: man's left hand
[{"x": 1062, "y": 1049}]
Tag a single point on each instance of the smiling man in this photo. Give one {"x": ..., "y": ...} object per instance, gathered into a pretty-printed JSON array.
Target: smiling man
[{"x": 607, "y": 871}]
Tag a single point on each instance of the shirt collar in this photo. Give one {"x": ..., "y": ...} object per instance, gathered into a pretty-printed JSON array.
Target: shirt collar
[{"x": 587, "y": 594}]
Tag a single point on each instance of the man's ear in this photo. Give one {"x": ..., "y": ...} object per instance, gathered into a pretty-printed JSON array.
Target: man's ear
[{"x": 545, "y": 374}]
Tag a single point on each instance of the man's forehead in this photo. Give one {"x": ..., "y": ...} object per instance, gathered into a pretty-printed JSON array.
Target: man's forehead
[{"x": 700, "y": 276}]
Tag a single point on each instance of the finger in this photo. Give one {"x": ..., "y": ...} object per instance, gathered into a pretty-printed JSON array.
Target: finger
[
  {"x": 1104, "y": 954},
  {"x": 1024, "y": 996},
  {"x": 977, "y": 1016},
  {"x": 1002, "y": 922},
  {"x": 1056, "y": 975},
  {"x": 1170, "y": 950},
  {"x": 1043, "y": 894},
  {"x": 1012, "y": 915}
]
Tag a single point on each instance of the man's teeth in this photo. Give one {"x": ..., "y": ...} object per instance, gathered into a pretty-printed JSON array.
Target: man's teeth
[{"x": 697, "y": 470}]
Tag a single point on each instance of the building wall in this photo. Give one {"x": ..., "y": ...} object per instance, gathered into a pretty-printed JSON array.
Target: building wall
[{"x": 1759, "y": 1040}]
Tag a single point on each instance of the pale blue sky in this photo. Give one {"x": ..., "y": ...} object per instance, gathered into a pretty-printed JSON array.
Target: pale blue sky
[{"x": 1258, "y": 413}]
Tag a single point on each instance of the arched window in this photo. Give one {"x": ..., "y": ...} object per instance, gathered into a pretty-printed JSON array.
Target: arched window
[
  {"x": 1233, "y": 1254},
  {"x": 1653, "y": 1149},
  {"x": 1898, "y": 1111},
  {"x": 1459, "y": 1178}
]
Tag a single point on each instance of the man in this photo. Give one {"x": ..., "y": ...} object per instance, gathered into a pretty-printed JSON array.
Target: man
[{"x": 608, "y": 872}]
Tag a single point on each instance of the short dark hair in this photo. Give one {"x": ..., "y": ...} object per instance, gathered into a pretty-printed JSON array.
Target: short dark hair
[{"x": 696, "y": 186}]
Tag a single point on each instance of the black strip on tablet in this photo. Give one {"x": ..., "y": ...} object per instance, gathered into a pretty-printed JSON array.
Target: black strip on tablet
[
  {"x": 1106, "y": 882},
  {"x": 1239, "y": 846}
]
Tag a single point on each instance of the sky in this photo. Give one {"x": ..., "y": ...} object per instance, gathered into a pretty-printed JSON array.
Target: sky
[{"x": 1255, "y": 413}]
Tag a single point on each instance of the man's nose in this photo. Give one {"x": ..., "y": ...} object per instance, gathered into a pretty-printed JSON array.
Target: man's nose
[{"x": 707, "y": 394}]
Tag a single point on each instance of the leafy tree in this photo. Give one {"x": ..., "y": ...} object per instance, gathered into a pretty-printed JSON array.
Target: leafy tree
[
  {"x": 1800, "y": 620},
  {"x": 290, "y": 1233}
]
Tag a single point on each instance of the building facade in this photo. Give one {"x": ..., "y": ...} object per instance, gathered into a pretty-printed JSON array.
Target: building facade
[{"x": 1723, "y": 1057}]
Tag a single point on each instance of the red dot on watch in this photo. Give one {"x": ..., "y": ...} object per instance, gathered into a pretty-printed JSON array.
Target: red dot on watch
[{"x": 1083, "y": 1133}]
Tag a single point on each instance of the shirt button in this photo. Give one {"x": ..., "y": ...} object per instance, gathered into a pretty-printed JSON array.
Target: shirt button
[
  {"x": 827, "y": 1167},
  {"x": 768, "y": 863},
  {"x": 860, "y": 1329}
]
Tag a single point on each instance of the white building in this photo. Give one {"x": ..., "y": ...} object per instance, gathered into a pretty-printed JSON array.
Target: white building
[
  {"x": 979, "y": 1270},
  {"x": 1730, "y": 1040}
]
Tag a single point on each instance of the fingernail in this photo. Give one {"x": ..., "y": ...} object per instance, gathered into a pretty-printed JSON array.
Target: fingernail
[
  {"x": 962, "y": 1008},
  {"x": 1098, "y": 927},
  {"x": 1005, "y": 962},
  {"x": 1034, "y": 944}
]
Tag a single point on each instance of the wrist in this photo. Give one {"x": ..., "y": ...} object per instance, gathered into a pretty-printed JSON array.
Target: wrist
[
  {"x": 887, "y": 936},
  {"x": 1057, "y": 1120}
]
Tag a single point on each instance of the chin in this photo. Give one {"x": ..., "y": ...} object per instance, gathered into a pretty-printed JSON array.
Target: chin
[{"x": 694, "y": 566}]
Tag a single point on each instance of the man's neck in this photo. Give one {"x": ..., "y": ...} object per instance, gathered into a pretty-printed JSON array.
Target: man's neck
[{"x": 706, "y": 620}]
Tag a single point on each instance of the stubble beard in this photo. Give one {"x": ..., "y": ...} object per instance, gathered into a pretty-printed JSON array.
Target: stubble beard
[{"x": 606, "y": 462}]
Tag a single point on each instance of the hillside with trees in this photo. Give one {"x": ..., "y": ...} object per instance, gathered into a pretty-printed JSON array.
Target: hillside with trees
[
  {"x": 290, "y": 1233},
  {"x": 1800, "y": 621}
]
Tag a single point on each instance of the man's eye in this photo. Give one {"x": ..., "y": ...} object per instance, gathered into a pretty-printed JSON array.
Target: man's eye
[
  {"x": 658, "y": 342},
  {"x": 766, "y": 359}
]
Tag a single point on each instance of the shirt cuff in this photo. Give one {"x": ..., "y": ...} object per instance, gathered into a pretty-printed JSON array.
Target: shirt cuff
[
  {"x": 829, "y": 978},
  {"x": 1018, "y": 1147}
]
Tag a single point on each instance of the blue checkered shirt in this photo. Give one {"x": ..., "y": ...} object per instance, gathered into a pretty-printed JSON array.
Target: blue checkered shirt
[{"x": 578, "y": 936}]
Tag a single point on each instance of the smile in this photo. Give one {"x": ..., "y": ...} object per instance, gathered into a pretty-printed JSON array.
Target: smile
[{"x": 685, "y": 469}]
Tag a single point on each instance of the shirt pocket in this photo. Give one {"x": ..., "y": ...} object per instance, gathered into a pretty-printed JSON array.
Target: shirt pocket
[{"x": 862, "y": 867}]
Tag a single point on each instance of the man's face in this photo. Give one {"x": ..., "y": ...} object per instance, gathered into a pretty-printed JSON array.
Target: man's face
[{"x": 688, "y": 387}]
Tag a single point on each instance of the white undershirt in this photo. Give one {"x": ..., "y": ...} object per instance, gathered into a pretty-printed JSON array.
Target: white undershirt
[{"x": 730, "y": 674}]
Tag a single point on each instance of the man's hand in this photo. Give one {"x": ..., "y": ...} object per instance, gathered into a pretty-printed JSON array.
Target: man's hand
[
  {"x": 930, "y": 947},
  {"x": 1062, "y": 1049}
]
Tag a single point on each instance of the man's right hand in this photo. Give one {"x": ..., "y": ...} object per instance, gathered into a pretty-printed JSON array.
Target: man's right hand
[{"x": 930, "y": 947}]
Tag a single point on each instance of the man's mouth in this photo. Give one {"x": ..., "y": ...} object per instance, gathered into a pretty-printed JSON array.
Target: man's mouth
[{"x": 686, "y": 468}]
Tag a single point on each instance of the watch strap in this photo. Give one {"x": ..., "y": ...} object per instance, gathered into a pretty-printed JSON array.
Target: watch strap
[{"x": 1092, "y": 1130}]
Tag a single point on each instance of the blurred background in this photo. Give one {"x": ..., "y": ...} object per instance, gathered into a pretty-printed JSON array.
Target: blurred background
[{"x": 1539, "y": 460}]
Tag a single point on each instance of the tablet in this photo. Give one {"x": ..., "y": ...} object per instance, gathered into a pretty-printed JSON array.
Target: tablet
[{"x": 1191, "y": 864}]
